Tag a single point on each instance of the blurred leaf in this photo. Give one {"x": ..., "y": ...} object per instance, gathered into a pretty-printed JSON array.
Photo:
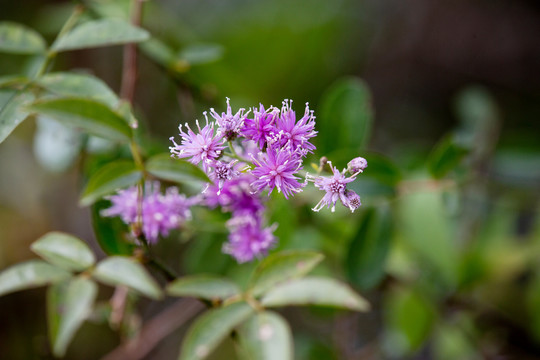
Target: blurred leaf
[
  {"x": 109, "y": 231},
  {"x": 20, "y": 39},
  {"x": 64, "y": 250},
  {"x": 367, "y": 253},
  {"x": 119, "y": 270},
  {"x": 209, "y": 330},
  {"x": 30, "y": 274},
  {"x": 445, "y": 156},
  {"x": 314, "y": 291},
  {"x": 79, "y": 85},
  {"x": 89, "y": 115},
  {"x": 11, "y": 112},
  {"x": 98, "y": 33},
  {"x": 266, "y": 336},
  {"x": 345, "y": 116},
  {"x": 108, "y": 179},
  {"x": 280, "y": 267},
  {"x": 198, "y": 54},
  {"x": 165, "y": 167},
  {"x": 68, "y": 305},
  {"x": 159, "y": 52},
  {"x": 12, "y": 80},
  {"x": 383, "y": 169},
  {"x": 203, "y": 286}
]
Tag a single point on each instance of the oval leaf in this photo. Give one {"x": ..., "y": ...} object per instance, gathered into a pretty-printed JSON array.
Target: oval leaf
[
  {"x": 68, "y": 305},
  {"x": 119, "y": 270},
  {"x": 315, "y": 291},
  {"x": 113, "y": 176},
  {"x": 80, "y": 85},
  {"x": 211, "y": 328},
  {"x": 30, "y": 274},
  {"x": 203, "y": 286},
  {"x": 445, "y": 156},
  {"x": 90, "y": 116},
  {"x": 281, "y": 267},
  {"x": 64, "y": 250},
  {"x": 100, "y": 33},
  {"x": 19, "y": 39},
  {"x": 198, "y": 54},
  {"x": 165, "y": 167},
  {"x": 11, "y": 111},
  {"x": 110, "y": 232},
  {"x": 266, "y": 336}
]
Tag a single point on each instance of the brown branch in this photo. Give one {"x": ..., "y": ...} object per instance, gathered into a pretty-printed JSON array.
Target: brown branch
[
  {"x": 156, "y": 329},
  {"x": 129, "y": 67}
]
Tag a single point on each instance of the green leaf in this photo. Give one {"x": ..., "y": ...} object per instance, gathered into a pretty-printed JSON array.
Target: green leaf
[
  {"x": 79, "y": 85},
  {"x": 90, "y": 116},
  {"x": 68, "y": 305},
  {"x": 280, "y": 267},
  {"x": 203, "y": 286},
  {"x": 110, "y": 232},
  {"x": 19, "y": 39},
  {"x": 315, "y": 291},
  {"x": 211, "y": 328},
  {"x": 383, "y": 169},
  {"x": 165, "y": 167},
  {"x": 119, "y": 270},
  {"x": 13, "y": 81},
  {"x": 445, "y": 156},
  {"x": 266, "y": 336},
  {"x": 97, "y": 33},
  {"x": 64, "y": 250},
  {"x": 11, "y": 111},
  {"x": 198, "y": 54},
  {"x": 346, "y": 114},
  {"x": 111, "y": 177},
  {"x": 367, "y": 253},
  {"x": 30, "y": 274}
]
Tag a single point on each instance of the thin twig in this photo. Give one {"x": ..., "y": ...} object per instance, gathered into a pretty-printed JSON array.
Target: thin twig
[{"x": 129, "y": 67}]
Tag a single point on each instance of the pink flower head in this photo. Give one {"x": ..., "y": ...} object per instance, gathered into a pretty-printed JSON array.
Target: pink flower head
[
  {"x": 335, "y": 187},
  {"x": 357, "y": 165},
  {"x": 236, "y": 196},
  {"x": 223, "y": 171},
  {"x": 261, "y": 127},
  {"x": 295, "y": 134},
  {"x": 248, "y": 239},
  {"x": 124, "y": 204},
  {"x": 229, "y": 124}
]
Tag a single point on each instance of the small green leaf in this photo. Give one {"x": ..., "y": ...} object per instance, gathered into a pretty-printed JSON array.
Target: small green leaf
[
  {"x": 203, "y": 286},
  {"x": 110, "y": 232},
  {"x": 68, "y": 305},
  {"x": 119, "y": 270},
  {"x": 19, "y": 39},
  {"x": 12, "y": 81},
  {"x": 367, "y": 253},
  {"x": 445, "y": 156},
  {"x": 211, "y": 328},
  {"x": 64, "y": 250},
  {"x": 281, "y": 267},
  {"x": 346, "y": 114},
  {"x": 165, "y": 167},
  {"x": 98, "y": 33},
  {"x": 198, "y": 54},
  {"x": 266, "y": 336},
  {"x": 30, "y": 274},
  {"x": 11, "y": 111},
  {"x": 113, "y": 176},
  {"x": 90, "y": 116},
  {"x": 79, "y": 85},
  {"x": 315, "y": 291}
]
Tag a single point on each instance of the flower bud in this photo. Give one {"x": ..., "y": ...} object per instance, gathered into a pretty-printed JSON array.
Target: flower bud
[{"x": 357, "y": 165}]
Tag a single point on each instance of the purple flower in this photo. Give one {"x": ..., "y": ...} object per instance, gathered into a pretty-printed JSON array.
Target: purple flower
[
  {"x": 198, "y": 147},
  {"x": 124, "y": 204},
  {"x": 222, "y": 171},
  {"x": 292, "y": 133},
  {"x": 236, "y": 196},
  {"x": 229, "y": 124},
  {"x": 276, "y": 168},
  {"x": 352, "y": 200},
  {"x": 247, "y": 239},
  {"x": 261, "y": 126},
  {"x": 335, "y": 187},
  {"x": 357, "y": 165}
]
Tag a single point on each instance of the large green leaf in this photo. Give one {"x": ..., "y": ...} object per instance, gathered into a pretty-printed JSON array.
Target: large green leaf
[
  {"x": 100, "y": 33},
  {"x": 280, "y": 267},
  {"x": 315, "y": 291},
  {"x": 203, "y": 286},
  {"x": 165, "y": 167},
  {"x": 119, "y": 270},
  {"x": 91, "y": 116},
  {"x": 113, "y": 176},
  {"x": 11, "y": 111},
  {"x": 110, "y": 232},
  {"x": 198, "y": 54},
  {"x": 445, "y": 156},
  {"x": 368, "y": 250},
  {"x": 30, "y": 274},
  {"x": 266, "y": 336},
  {"x": 68, "y": 305},
  {"x": 346, "y": 114},
  {"x": 79, "y": 85},
  {"x": 211, "y": 328},
  {"x": 19, "y": 39},
  {"x": 64, "y": 250}
]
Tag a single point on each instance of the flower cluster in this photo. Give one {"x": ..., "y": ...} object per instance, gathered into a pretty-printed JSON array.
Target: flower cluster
[{"x": 159, "y": 212}]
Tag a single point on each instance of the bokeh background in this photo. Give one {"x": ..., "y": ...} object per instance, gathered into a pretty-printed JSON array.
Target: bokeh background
[{"x": 451, "y": 265}]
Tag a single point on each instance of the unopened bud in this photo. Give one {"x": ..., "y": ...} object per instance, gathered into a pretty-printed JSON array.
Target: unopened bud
[{"x": 357, "y": 165}]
